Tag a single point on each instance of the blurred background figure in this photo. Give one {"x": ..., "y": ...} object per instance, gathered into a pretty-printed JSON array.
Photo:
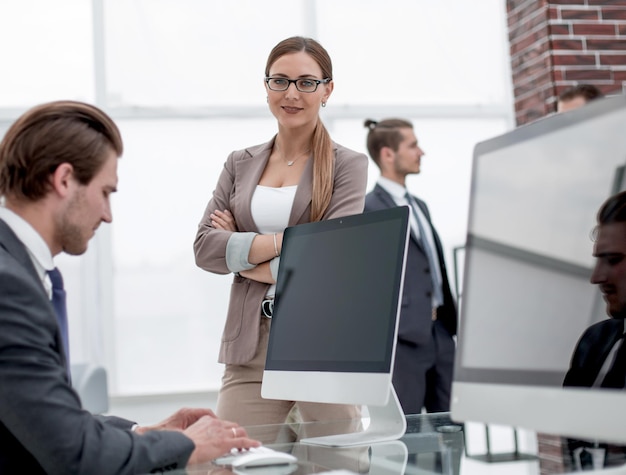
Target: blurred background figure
[{"x": 577, "y": 96}]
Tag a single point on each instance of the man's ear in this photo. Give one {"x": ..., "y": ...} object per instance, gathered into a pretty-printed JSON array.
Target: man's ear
[
  {"x": 62, "y": 179},
  {"x": 387, "y": 156}
]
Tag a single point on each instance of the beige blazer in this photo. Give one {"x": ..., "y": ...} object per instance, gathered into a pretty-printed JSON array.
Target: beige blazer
[{"x": 234, "y": 190}]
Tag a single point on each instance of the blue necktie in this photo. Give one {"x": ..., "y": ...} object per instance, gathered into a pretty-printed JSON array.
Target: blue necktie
[
  {"x": 60, "y": 309},
  {"x": 427, "y": 250}
]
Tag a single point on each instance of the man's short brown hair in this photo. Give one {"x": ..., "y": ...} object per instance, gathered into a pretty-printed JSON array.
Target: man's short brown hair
[
  {"x": 51, "y": 134},
  {"x": 385, "y": 133}
]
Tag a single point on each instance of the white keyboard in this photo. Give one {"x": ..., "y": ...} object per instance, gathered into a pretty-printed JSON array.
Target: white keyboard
[{"x": 255, "y": 457}]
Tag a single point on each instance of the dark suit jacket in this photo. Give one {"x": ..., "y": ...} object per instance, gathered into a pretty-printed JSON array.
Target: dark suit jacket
[
  {"x": 588, "y": 358},
  {"x": 591, "y": 351},
  {"x": 43, "y": 428},
  {"x": 415, "y": 317}
]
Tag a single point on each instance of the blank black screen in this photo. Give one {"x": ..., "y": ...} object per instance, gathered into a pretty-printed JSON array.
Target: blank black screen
[{"x": 337, "y": 294}]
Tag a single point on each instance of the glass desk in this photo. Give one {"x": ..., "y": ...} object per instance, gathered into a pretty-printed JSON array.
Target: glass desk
[{"x": 433, "y": 444}]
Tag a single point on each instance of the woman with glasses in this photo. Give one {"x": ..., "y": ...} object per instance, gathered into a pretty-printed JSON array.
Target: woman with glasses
[{"x": 299, "y": 176}]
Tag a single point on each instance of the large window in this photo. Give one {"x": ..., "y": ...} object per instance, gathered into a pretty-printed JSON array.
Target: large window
[{"x": 183, "y": 79}]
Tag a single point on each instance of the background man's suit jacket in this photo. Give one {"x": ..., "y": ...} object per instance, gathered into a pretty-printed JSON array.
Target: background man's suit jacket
[
  {"x": 43, "y": 428},
  {"x": 234, "y": 190},
  {"x": 591, "y": 351},
  {"x": 415, "y": 317}
]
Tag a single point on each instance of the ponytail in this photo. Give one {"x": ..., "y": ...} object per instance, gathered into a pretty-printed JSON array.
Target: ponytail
[{"x": 323, "y": 171}]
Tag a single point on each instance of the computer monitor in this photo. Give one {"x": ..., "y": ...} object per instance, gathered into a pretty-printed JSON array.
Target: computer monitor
[
  {"x": 335, "y": 319},
  {"x": 526, "y": 297}
]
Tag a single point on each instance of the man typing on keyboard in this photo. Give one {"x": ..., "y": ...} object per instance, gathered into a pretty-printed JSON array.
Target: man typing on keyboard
[{"x": 58, "y": 168}]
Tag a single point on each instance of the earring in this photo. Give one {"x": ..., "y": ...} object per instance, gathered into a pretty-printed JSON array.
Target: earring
[
  {"x": 323, "y": 103},
  {"x": 267, "y": 98}
]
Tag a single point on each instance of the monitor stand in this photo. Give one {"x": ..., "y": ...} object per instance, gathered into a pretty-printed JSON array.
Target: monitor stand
[
  {"x": 387, "y": 423},
  {"x": 389, "y": 458}
]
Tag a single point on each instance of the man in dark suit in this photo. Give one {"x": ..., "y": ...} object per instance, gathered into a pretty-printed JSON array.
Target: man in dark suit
[
  {"x": 599, "y": 358},
  {"x": 425, "y": 350},
  {"x": 58, "y": 167}
]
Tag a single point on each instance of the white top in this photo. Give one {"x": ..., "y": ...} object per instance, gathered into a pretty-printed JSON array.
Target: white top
[
  {"x": 397, "y": 192},
  {"x": 37, "y": 248},
  {"x": 270, "y": 208}
]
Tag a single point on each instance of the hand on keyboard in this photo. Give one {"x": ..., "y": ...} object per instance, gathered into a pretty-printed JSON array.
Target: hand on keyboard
[
  {"x": 212, "y": 437},
  {"x": 255, "y": 457}
]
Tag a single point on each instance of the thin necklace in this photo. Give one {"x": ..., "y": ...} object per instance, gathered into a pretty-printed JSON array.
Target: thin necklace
[{"x": 291, "y": 162}]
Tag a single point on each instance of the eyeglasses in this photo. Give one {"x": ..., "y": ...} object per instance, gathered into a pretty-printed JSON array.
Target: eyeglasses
[{"x": 302, "y": 85}]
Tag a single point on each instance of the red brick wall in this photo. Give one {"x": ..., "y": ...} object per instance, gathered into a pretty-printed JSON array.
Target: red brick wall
[{"x": 556, "y": 44}]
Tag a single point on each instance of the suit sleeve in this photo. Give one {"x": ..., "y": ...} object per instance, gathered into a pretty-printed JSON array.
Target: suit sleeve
[
  {"x": 374, "y": 200},
  {"x": 350, "y": 182},
  {"x": 210, "y": 244},
  {"x": 40, "y": 410},
  {"x": 115, "y": 421}
]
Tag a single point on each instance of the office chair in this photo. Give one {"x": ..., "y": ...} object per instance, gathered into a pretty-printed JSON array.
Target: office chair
[{"x": 90, "y": 382}]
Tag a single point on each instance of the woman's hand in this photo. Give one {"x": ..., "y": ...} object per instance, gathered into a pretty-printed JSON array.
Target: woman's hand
[{"x": 223, "y": 220}]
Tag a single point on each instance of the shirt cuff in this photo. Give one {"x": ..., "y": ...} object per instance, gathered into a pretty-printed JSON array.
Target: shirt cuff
[
  {"x": 274, "y": 267},
  {"x": 238, "y": 250}
]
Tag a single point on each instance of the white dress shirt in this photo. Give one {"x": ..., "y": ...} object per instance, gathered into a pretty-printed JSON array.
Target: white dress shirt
[{"x": 37, "y": 248}]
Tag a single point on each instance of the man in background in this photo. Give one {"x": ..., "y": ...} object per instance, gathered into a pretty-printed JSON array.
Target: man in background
[
  {"x": 58, "y": 169},
  {"x": 422, "y": 375},
  {"x": 600, "y": 356},
  {"x": 599, "y": 359},
  {"x": 577, "y": 96}
]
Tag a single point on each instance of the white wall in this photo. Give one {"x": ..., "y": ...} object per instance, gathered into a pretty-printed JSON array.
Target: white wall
[{"x": 184, "y": 82}]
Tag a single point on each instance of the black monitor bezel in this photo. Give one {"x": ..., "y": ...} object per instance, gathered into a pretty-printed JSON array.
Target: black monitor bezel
[{"x": 386, "y": 218}]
